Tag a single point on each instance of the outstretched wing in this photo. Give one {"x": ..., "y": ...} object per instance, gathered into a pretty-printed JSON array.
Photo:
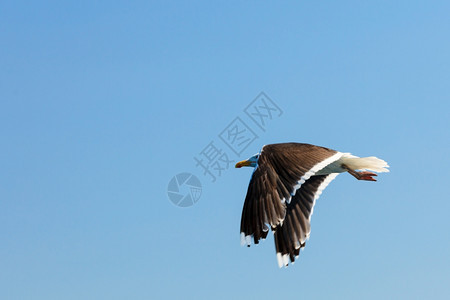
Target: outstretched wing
[
  {"x": 282, "y": 169},
  {"x": 291, "y": 236}
]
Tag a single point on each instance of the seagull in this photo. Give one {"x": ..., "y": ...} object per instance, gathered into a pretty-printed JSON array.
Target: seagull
[{"x": 287, "y": 180}]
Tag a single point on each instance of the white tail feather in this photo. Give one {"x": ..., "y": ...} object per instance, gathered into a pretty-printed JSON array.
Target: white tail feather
[{"x": 365, "y": 163}]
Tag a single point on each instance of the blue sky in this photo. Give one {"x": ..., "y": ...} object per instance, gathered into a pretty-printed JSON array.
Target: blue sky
[{"x": 102, "y": 104}]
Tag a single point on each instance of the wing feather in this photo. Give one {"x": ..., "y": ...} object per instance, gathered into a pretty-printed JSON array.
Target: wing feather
[
  {"x": 282, "y": 170},
  {"x": 298, "y": 217}
]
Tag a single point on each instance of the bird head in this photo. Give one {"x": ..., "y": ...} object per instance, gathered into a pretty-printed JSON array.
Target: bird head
[{"x": 251, "y": 162}]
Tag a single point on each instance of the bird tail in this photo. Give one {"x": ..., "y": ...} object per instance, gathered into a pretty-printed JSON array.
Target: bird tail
[{"x": 365, "y": 163}]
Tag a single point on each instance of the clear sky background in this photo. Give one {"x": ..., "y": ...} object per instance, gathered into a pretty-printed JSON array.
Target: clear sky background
[{"x": 101, "y": 104}]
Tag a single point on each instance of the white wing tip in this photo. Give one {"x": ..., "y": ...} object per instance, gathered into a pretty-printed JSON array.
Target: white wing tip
[
  {"x": 242, "y": 239},
  {"x": 286, "y": 260},
  {"x": 248, "y": 240},
  {"x": 279, "y": 260},
  {"x": 283, "y": 260}
]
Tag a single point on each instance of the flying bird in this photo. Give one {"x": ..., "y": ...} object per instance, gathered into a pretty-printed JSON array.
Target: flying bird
[{"x": 287, "y": 180}]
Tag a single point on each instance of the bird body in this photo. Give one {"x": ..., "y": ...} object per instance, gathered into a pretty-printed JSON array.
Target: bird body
[
  {"x": 287, "y": 180},
  {"x": 355, "y": 163}
]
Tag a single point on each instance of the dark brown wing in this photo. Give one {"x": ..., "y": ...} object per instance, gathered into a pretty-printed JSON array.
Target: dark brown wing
[
  {"x": 281, "y": 170},
  {"x": 292, "y": 234}
]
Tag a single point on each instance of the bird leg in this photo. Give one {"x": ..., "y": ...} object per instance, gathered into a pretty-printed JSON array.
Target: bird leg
[{"x": 362, "y": 175}]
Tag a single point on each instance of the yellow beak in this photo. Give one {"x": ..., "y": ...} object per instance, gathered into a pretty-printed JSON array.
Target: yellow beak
[{"x": 244, "y": 163}]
